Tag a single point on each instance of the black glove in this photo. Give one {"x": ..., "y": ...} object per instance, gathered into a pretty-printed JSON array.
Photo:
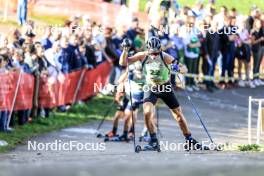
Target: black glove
[{"x": 126, "y": 43}]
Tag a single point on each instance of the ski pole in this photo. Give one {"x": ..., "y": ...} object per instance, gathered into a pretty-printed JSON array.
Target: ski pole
[
  {"x": 196, "y": 111},
  {"x": 15, "y": 96},
  {"x": 133, "y": 120},
  {"x": 105, "y": 115},
  {"x": 78, "y": 86}
]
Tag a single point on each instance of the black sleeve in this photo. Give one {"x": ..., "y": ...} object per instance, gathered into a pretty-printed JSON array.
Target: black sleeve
[
  {"x": 90, "y": 55},
  {"x": 224, "y": 40},
  {"x": 249, "y": 23},
  {"x": 205, "y": 45},
  {"x": 110, "y": 51}
]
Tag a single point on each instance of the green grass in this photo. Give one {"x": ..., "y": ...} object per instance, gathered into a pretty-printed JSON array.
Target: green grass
[
  {"x": 252, "y": 147},
  {"x": 142, "y": 5},
  {"x": 55, "y": 20},
  {"x": 243, "y": 6},
  {"x": 77, "y": 115},
  {"x": 9, "y": 22}
]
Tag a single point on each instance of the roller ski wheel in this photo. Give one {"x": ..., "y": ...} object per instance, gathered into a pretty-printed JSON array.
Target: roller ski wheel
[
  {"x": 106, "y": 139},
  {"x": 152, "y": 148},
  {"x": 99, "y": 135},
  {"x": 219, "y": 148},
  {"x": 213, "y": 147},
  {"x": 153, "y": 145},
  {"x": 111, "y": 139},
  {"x": 138, "y": 149}
]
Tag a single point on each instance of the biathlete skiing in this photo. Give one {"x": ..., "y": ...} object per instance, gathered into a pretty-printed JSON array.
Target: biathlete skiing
[
  {"x": 132, "y": 81},
  {"x": 157, "y": 66}
]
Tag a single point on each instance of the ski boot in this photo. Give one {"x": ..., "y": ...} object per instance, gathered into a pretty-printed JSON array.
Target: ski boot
[
  {"x": 131, "y": 136},
  {"x": 123, "y": 138},
  {"x": 192, "y": 144},
  {"x": 109, "y": 136},
  {"x": 144, "y": 138}
]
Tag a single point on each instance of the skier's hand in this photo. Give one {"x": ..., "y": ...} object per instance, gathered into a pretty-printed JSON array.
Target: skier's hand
[
  {"x": 126, "y": 44},
  {"x": 180, "y": 68},
  {"x": 175, "y": 67},
  {"x": 183, "y": 69}
]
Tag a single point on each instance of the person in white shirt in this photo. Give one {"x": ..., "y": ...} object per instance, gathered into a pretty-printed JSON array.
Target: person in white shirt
[{"x": 191, "y": 50}]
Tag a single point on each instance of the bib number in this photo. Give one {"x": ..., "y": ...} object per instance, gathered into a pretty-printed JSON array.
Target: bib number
[{"x": 155, "y": 72}]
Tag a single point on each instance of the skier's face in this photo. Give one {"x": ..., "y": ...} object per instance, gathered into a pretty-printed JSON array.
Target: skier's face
[{"x": 154, "y": 54}]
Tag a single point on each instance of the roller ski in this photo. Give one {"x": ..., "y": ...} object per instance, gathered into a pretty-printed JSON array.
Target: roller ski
[
  {"x": 153, "y": 145},
  {"x": 117, "y": 138}
]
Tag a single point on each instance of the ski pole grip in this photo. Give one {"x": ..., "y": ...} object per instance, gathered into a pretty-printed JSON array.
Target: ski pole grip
[{"x": 175, "y": 67}]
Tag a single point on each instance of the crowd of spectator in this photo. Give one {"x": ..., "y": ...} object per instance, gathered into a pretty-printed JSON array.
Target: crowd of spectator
[{"x": 214, "y": 46}]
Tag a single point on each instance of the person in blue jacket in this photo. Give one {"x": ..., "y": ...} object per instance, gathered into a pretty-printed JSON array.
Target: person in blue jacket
[
  {"x": 22, "y": 11},
  {"x": 78, "y": 60},
  {"x": 63, "y": 60},
  {"x": 65, "y": 56}
]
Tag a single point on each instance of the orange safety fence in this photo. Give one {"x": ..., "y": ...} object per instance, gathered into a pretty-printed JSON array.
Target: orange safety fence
[{"x": 53, "y": 91}]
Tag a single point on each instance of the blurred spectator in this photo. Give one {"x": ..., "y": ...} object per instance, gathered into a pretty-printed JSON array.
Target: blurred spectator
[
  {"x": 220, "y": 18},
  {"x": 243, "y": 54},
  {"x": 89, "y": 49},
  {"x": 19, "y": 63},
  {"x": 112, "y": 54},
  {"x": 212, "y": 49},
  {"x": 228, "y": 35},
  {"x": 254, "y": 14},
  {"x": 133, "y": 30},
  {"x": 191, "y": 51},
  {"x": 41, "y": 71},
  {"x": 77, "y": 61},
  {"x": 199, "y": 10},
  {"x": 46, "y": 41},
  {"x": 16, "y": 39},
  {"x": 65, "y": 56},
  {"x": 22, "y": 11},
  {"x": 257, "y": 49},
  {"x": 3, "y": 113}
]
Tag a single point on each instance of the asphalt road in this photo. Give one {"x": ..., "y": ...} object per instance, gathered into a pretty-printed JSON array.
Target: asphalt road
[{"x": 224, "y": 113}]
